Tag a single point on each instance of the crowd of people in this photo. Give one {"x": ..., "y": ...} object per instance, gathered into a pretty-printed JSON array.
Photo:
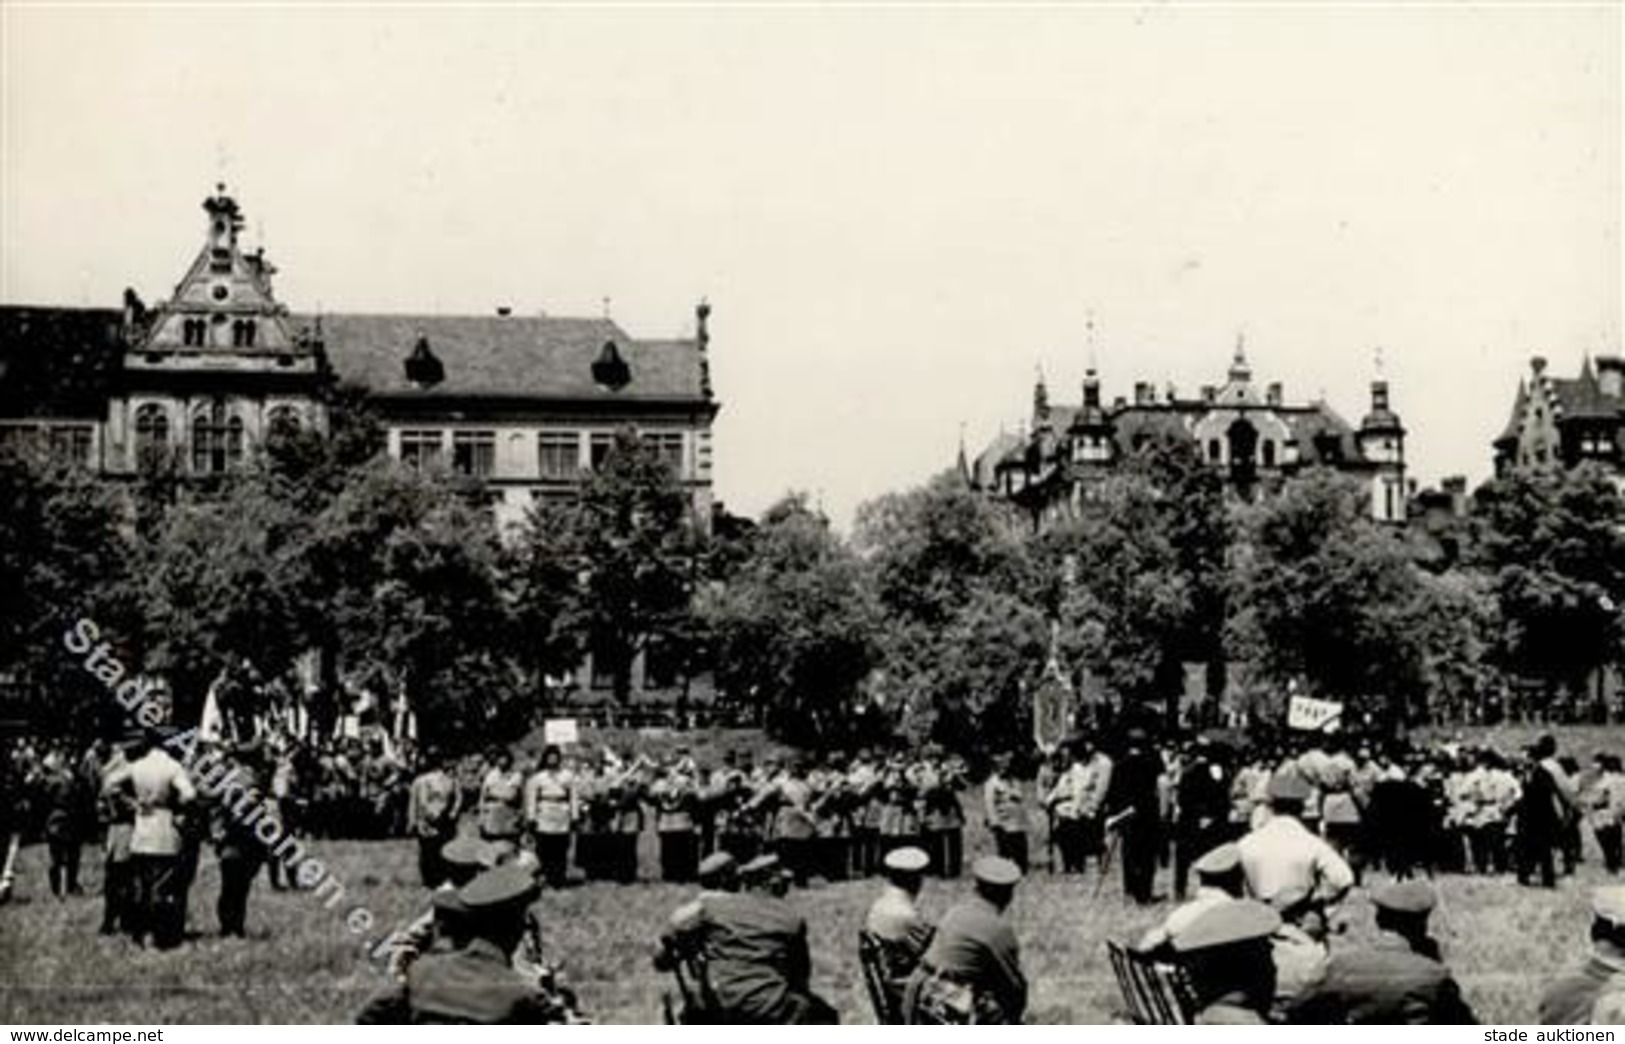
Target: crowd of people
[{"x": 1259, "y": 844}]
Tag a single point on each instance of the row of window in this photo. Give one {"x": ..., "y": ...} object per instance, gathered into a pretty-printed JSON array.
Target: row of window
[
  {"x": 217, "y": 434},
  {"x": 558, "y": 453},
  {"x": 195, "y": 332},
  {"x": 69, "y": 443}
]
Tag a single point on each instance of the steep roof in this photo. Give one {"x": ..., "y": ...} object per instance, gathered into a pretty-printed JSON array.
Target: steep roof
[
  {"x": 1583, "y": 396},
  {"x": 987, "y": 461},
  {"x": 1514, "y": 423},
  {"x": 529, "y": 357},
  {"x": 58, "y": 362},
  {"x": 1320, "y": 423}
]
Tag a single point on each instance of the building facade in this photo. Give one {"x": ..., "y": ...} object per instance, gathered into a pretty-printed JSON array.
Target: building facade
[
  {"x": 525, "y": 405},
  {"x": 1564, "y": 421},
  {"x": 1252, "y": 435}
]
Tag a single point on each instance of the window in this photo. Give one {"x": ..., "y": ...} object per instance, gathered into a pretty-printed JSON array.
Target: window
[
  {"x": 668, "y": 446},
  {"x": 194, "y": 332},
  {"x": 421, "y": 448},
  {"x": 242, "y": 333},
  {"x": 1213, "y": 449},
  {"x": 473, "y": 452},
  {"x": 1269, "y": 453},
  {"x": 217, "y": 440},
  {"x": 558, "y": 454},
  {"x": 282, "y": 421},
  {"x": 151, "y": 433},
  {"x": 71, "y": 443},
  {"x": 601, "y": 442}
]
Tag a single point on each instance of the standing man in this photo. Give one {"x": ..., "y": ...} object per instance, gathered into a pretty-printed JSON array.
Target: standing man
[
  {"x": 1398, "y": 980},
  {"x": 432, "y": 807},
  {"x": 117, "y": 809},
  {"x": 1282, "y": 857},
  {"x": 1548, "y": 801},
  {"x": 501, "y": 798},
  {"x": 1135, "y": 802},
  {"x": 971, "y": 972},
  {"x": 160, "y": 789},
  {"x": 550, "y": 810},
  {"x": 1606, "y": 809},
  {"x": 675, "y": 797},
  {"x": 64, "y": 822},
  {"x": 239, "y": 851},
  {"x": 1005, "y": 805},
  {"x": 1202, "y": 800}
]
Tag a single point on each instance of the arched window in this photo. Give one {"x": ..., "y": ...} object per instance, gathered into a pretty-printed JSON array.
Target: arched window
[
  {"x": 1269, "y": 453},
  {"x": 217, "y": 440},
  {"x": 193, "y": 333},
  {"x": 151, "y": 432},
  {"x": 242, "y": 333},
  {"x": 282, "y": 421}
]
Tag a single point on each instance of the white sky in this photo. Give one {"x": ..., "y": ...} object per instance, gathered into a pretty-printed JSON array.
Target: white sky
[{"x": 898, "y": 214}]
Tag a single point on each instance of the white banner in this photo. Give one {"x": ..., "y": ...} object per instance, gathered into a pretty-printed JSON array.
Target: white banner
[
  {"x": 561, "y": 732},
  {"x": 1312, "y": 715}
]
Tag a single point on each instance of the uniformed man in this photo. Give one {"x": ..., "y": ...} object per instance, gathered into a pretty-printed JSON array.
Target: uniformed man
[
  {"x": 754, "y": 947},
  {"x": 1398, "y": 980},
  {"x": 1005, "y": 805},
  {"x": 441, "y": 927},
  {"x": 1300, "y": 946},
  {"x": 550, "y": 812},
  {"x": 1574, "y": 999},
  {"x": 501, "y": 798},
  {"x": 475, "y": 984},
  {"x": 117, "y": 812},
  {"x": 894, "y": 921},
  {"x": 1134, "y": 802},
  {"x": 1202, "y": 796},
  {"x": 432, "y": 807},
  {"x": 237, "y": 848},
  {"x": 1218, "y": 880},
  {"x": 971, "y": 972},
  {"x": 675, "y": 796},
  {"x": 1605, "y": 810},
  {"x": 160, "y": 789},
  {"x": 1225, "y": 949},
  {"x": 1281, "y": 855}
]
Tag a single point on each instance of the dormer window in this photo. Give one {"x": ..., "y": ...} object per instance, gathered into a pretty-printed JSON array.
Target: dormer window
[
  {"x": 423, "y": 367},
  {"x": 194, "y": 332},
  {"x": 610, "y": 369},
  {"x": 242, "y": 333}
]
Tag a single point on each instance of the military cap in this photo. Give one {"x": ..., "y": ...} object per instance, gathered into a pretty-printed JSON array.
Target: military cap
[
  {"x": 497, "y": 889},
  {"x": 716, "y": 864},
  {"x": 996, "y": 870},
  {"x": 468, "y": 851},
  {"x": 1406, "y": 897},
  {"x": 447, "y": 903},
  {"x": 1608, "y": 904},
  {"x": 1228, "y": 923},
  {"x": 1289, "y": 785},
  {"x": 908, "y": 859},
  {"x": 1217, "y": 861},
  {"x": 761, "y": 865}
]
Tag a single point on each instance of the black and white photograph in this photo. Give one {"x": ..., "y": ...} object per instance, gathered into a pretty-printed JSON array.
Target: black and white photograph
[{"x": 789, "y": 513}]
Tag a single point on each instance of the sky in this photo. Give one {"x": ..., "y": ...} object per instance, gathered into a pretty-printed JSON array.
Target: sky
[{"x": 900, "y": 214}]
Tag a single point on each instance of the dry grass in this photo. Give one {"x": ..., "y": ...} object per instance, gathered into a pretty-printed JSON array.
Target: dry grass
[{"x": 301, "y": 965}]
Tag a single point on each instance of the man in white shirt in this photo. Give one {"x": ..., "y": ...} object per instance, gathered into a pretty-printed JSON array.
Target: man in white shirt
[
  {"x": 894, "y": 920},
  {"x": 160, "y": 788},
  {"x": 550, "y": 811},
  {"x": 1281, "y": 855}
]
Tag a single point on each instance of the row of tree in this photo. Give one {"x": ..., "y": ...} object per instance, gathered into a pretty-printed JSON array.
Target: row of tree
[{"x": 936, "y": 617}]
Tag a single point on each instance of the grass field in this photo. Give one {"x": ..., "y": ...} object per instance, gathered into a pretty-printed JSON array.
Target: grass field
[{"x": 302, "y": 965}]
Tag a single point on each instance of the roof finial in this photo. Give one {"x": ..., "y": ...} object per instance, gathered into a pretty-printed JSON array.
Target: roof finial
[
  {"x": 1378, "y": 362},
  {"x": 606, "y": 306},
  {"x": 1089, "y": 337}
]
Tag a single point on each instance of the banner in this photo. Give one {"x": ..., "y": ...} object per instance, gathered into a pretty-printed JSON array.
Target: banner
[
  {"x": 1052, "y": 707},
  {"x": 1311, "y": 715},
  {"x": 561, "y": 732}
]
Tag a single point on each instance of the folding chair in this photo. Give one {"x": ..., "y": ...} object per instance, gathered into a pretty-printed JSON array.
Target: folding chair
[
  {"x": 698, "y": 1004},
  {"x": 1157, "y": 993},
  {"x": 878, "y": 976}
]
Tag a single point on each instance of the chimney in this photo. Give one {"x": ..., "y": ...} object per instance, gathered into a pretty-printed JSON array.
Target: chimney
[
  {"x": 1379, "y": 396},
  {"x": 1119, "y": 402},
  {"x": 1210, "y": 394},
  {"x": 1272, "y": 393},
  {"x": 1143, "y": 393},
  {"x": 1538, "y": 364}
]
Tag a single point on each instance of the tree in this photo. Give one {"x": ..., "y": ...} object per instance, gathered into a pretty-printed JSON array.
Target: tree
[
  {"x": 631, "y": 546},
  {"x": 792, "y": 627},
  {"x": 1326, "y": 596},
  {"x": 1553, "y": 544}
]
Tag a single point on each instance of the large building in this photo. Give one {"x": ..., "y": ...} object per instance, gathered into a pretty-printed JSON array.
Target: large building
[
  {"x": 1252, "y": 435},
  {"x": 1563, "y": 421},
  {"x": 525, "y": 403}
]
